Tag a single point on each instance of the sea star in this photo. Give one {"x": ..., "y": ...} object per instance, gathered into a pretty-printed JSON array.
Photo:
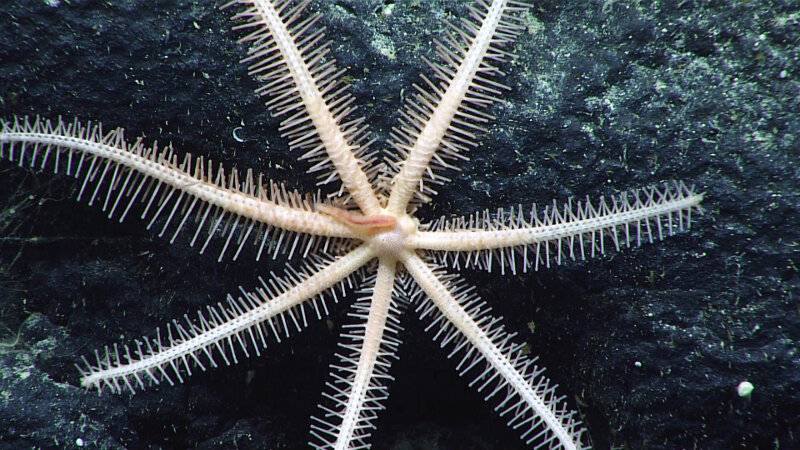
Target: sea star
[{"x": 336, "y": 241}]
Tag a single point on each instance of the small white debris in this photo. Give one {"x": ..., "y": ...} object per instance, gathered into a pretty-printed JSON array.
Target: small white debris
[
  {"x": 745, "y": 388},
  {"x": 388, "y": 9},
  {"x": 638, "y": 364},
  {"x": 236, "y": 135},
  {"x": 79, "y": 442}
]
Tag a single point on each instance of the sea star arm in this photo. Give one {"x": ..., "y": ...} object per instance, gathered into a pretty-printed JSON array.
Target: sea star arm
[
  {"x": 444, "y": 117},
  {"x": 120, "y": 173},
  {"x": 358, "y": 386},
  {"x": 287, "y": 55},
  {"x": 465, "y": 323},
  {"x": 573, "y": 230},
  {"x": 225, "y": 331}
]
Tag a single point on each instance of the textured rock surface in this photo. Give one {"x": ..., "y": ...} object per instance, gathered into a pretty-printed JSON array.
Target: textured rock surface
[{"x": 649, "y": 344}]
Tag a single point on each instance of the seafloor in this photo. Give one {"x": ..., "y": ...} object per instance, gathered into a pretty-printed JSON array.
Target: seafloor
[{"x": 648, "y": 344}]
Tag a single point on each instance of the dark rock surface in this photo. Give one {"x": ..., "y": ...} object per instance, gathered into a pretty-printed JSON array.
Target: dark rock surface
[{"x": 649, "y": 344}]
